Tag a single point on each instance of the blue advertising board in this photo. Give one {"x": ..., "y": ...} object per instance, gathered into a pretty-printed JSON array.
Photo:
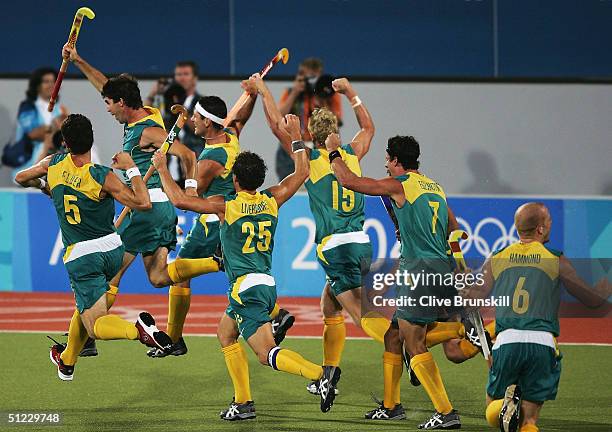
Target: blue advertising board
[{"x": 31, "y": 249}]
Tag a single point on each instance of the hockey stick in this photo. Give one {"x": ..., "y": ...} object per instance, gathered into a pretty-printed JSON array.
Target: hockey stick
[
  {"x": 282, "y": 55},
  {"x": 72, "y": 38}
]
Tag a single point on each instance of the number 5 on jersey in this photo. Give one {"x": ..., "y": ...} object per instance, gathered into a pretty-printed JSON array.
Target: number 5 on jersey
[{"x": 73, "y": 215}]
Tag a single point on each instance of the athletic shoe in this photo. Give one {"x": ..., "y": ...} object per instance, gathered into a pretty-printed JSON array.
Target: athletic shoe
[
  {"x": 90, "y": 349},
  {"x": 414, "y": 380},
  {"x": 442, "y": 421},
  {"x": 150, "y": 335},
  {"x": 237, "y": 411},
  {"x": 179, "y": 348},
  {"x": 218, "y": 258},
  {"x": 327, "y": 386},
  {"x": 471, "y": 335},
  {"x": 511, "y": 409},
  {"x": 313, "y": 388},
  {"x": 64, "y": 372},
  {"x": 381, "y": 413},
  {"x": 281, "y": 324}
]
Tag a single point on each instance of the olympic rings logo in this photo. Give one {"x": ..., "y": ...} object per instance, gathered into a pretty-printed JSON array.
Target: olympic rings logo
[{"x": 506, "y": 237}]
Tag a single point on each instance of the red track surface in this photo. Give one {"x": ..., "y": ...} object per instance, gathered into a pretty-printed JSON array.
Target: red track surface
[{"x": 51, "y": 312}]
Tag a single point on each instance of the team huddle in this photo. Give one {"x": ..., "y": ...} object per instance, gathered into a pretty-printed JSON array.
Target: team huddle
[{"x": 234, "y": 233}]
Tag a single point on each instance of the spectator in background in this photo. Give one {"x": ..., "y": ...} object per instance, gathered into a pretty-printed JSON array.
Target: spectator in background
[
  {"x": 311, "y": 89},
  {"x": 182, "y": 89},
  {"x": 34, "y": 123}
]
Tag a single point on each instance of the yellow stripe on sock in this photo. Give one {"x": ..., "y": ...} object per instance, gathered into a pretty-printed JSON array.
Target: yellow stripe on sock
[
  {"x": 77, "y": 336},
  {"x": 183, "y": 269},
  {"x": 392, "y": 373},
  {"x": 334, "y": 336},
  {"x": 112, "y": 327},
  {"x": 375, "y": 326},
  {"x": 293, "y": 363},
  {"x": 439, "y": 332},
  {"x": 426, "y": 369},
  {"x": 492, "y": 413},
  {"x": 179, "y": 301}
]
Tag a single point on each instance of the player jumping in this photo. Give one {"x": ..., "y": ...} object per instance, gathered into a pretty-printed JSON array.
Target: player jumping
[
  {"x": 82, "y": 194},
  {"x": 151, "y": 233},
  {"x": 526, "y": 359},
  {"x": 343, "y": 248},
  {"x": 248, "y": 221},
  {"x": 214, "y": 177}
]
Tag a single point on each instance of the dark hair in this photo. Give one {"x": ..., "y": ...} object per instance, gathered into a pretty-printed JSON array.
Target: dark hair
[
  {"x": 250, "y": 170},
  {"x": 36, "y": 79},
  {"x": 216, "y": 106},
  {"x": 77, "y": 133},
  {"x": 188, "y": 63},
  {"x": 123, "y": 87},
  {"x": 313, "y": 63},
  {"x": 406, "y": 149}
]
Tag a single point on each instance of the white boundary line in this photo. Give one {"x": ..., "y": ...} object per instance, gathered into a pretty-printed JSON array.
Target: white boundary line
[{"x": 290, "y": 337}]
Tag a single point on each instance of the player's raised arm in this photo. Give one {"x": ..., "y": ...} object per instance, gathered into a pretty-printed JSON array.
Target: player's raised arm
[
  {"x": 97, "y": 78},
  {"x": 136, "y": 197},
  {"x": 244, "y": 114},
  {"x": 290, "y": 184},
  {"x": 273, "y": 114},
  {"x": 348, "y": 179},
  {"x": 32, "y": 177},
  {"x": 362, "y": 140},
  {"x": 179, "y": 198},
  {"x": 157, "y": 136},
  {"x": 590, "y": 296}
]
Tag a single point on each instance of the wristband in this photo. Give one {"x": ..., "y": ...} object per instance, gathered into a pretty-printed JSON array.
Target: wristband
[
  {"x": 333, "y": 155},
  {"x": 191, "y": 183},
  {"x": 43, "y": 183},
  {"x": 355, "y": 102},
  {"x": 297, "y": 146},
  {"x": 132, "y": 172}
]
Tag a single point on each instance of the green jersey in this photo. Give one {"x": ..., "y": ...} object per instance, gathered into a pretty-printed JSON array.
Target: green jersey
[
  {"x": 528, "y": 274},
  {"x": 423, "y": 219},
  {"x": 132, "y": 133},
  {"x": 83, "y": 210},
  {"x": 247, "y": 233},
  {"x": 335, "y": 209},
  {"x": 225, "y": 154}
]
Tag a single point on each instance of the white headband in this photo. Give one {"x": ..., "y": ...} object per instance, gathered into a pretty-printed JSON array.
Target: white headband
[{"x": 208, "y": 115}]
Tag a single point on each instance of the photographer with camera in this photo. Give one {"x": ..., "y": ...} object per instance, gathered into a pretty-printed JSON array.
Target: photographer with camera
[
  {"x": 181, "y": 89},
  {"x": 311, "y": 89}
]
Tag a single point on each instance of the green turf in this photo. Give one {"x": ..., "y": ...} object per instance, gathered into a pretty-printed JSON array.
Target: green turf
[{"x": 123, "y": 390}]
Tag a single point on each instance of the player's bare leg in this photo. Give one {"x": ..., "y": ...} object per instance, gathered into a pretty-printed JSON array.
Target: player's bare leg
[
  {"x": 530, "y": 412},
  {"x": 128, "y": 259}
]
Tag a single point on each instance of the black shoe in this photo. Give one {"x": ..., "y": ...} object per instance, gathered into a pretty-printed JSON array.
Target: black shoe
[
  {"x": 442, "y": 421},
  {"x": 90, "y": 349},
  {"x": 218, "y": 258},
  {"x": 471, "y": 335},
  {"x": 237, "y": 411},
  {"x": 179, "y": 348},
  {"x": 414, "y": 380},
  {"x": 511, "y": 410},
  {"x": 64, "y": 372},
  {"x": 327, "y": 386},
  {"x": 313, "y": 388},
  {"x": 150, "y": 335},
  {"x": 281, "y": 324},
  {"x": 381, "y": 413}
]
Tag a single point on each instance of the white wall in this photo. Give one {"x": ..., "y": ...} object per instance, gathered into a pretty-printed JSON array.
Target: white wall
[{"x": 475, "y": 138}]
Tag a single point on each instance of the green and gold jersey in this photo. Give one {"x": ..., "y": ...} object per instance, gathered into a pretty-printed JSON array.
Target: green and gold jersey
[
  {"x": 335, "y": 209},
  {"x": 82, "y": 211},
  {"x": 131, "y": 140},
  {"x": 225, "y": 154},
  {"x": 528, "y": 275},
  {"x": 423, "y": 219},
  {"x": 247, "y": 234}
]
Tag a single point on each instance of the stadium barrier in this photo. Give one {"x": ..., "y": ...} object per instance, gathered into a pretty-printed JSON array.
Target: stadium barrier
[{"x": 31, "y": 248}]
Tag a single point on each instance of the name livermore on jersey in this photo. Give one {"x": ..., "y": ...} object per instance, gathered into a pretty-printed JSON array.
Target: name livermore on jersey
[
  {"x": 335, "y": 209},
  {"x": 131, "y": 144},
  {"x": 82, "y": 213},
  {"x": 528, "y": 274},
  {"x": 247, "y": 234}
]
